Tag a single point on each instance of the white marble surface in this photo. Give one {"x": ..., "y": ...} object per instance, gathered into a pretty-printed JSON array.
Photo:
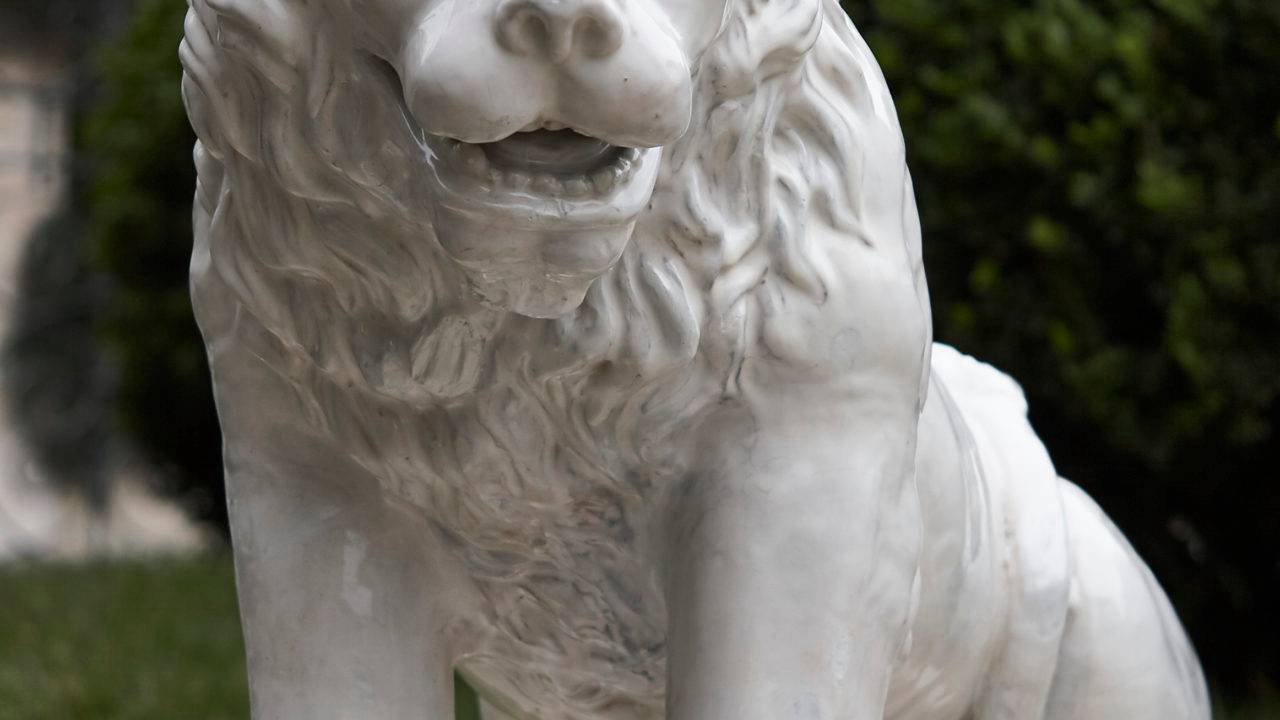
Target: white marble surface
[{"x": 584, "y": 347}]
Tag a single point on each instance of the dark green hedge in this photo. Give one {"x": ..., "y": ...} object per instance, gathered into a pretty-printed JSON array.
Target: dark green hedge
[
  {"x": 138, "y": 143},
  {"x": 1100, "y": 191}
]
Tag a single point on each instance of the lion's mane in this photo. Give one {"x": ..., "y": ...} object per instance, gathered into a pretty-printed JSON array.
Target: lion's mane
[{"x": 305, "y": 215}]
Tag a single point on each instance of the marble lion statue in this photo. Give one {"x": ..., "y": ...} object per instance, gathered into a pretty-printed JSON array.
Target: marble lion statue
[{"x": 582, "y": 349}]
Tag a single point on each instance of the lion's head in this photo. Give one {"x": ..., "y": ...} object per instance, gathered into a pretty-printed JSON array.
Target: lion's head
[
  {"x": 390, "y": 185},
  {"x": 488, "y": 243}
]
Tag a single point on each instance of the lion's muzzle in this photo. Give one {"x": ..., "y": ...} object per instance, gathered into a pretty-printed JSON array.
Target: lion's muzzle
[
  {"x": 482, "y": 70},
  {"x": 543, "y": 123}
]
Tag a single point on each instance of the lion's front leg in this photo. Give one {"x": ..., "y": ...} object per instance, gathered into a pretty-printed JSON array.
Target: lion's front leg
[
  {"x": 342, "y": 590},
  {"x": 792, "y": 561},
  {"x": 337, "y": 601}
]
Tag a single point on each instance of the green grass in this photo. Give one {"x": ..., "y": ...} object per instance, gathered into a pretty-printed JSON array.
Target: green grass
[
  {"x": 139, "y": 640},
  {"x": 151, "y": 640}
]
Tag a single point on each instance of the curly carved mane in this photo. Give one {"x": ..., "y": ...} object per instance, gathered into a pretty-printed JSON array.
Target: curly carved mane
[
  {"x": 306, "y": 214},
  {"x": 310, "y": 213}
]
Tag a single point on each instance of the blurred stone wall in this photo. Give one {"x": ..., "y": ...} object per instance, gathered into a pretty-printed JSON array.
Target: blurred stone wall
[
  {"x": 35, "y": 159},
  {"x": 33, "y": 176},
  {"x": 33, "y": 153}
]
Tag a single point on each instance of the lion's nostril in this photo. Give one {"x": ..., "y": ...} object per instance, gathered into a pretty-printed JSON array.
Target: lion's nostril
[
  {"x": 601, "y": 35},
  {"x": 559, "y": 29},
  {"x": 522, "y": 31}
]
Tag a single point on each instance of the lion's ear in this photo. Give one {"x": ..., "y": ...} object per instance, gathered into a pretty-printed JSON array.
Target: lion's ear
[
  {"x": 265, "y": 33},
  {"x": 259, "y": 59},
  {"x": 761, "y": 39},
  {"x": 223, "y": 119}
]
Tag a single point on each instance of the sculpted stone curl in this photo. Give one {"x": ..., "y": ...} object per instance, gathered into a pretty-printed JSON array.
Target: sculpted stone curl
[{"x": 582, "y": 347}]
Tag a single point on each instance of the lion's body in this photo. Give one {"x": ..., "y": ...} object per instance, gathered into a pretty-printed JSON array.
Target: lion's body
[
  {"x": 561, "y": 612},
  {"x": 730, "y": 468}
]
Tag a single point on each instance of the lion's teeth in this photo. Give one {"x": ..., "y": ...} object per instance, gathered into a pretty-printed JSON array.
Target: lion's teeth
[
  {"x": 604, "y": 180},
  {"x": 473, "y": 160},
  {"x": 518, "y": 180},
  {"x": 547, "y": 185}
]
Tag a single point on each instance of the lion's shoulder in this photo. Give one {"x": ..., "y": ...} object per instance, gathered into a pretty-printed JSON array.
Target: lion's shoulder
[{"x": 974, "y": 383}]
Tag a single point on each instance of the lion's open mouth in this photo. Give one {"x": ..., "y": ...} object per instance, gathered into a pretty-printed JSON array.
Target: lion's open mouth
[
  {"x": 555, "y": 163},
  {"x": 549, "y": 175},
  {"x": 544, "y": 179}
]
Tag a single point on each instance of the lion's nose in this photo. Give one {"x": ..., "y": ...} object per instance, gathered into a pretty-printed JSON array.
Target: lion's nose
[{"x": 555, "y": 30}]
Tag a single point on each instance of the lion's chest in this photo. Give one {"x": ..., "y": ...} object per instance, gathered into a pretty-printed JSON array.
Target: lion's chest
[
  {"x": 581, "y": 639},
  {"x": 571, "y": 622},
  {"x": 558, "y": 531}
]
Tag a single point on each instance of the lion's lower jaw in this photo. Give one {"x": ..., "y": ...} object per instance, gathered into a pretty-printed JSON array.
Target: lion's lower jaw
[
  {"x": 536, "y": 251},
  {"x": 537, "y": 273},
  {"x": 542, "y": 298}
]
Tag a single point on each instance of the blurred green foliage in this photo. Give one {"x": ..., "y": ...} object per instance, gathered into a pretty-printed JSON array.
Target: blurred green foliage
[
  {"x": 1099, "y": 184},
  {"x": 138, "y": 143},
  {"x": 56, "y": 381},
  {"x": 33, "y": 16},
  {"x": 1100, "y": 189}
]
